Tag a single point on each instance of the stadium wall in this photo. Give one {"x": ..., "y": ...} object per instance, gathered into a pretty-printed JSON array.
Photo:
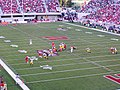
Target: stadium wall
[{"x": 26, "y": 17}]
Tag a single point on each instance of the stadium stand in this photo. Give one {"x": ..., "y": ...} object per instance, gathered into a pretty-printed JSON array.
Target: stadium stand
[
  {"x": 95, "y": 5},
  {"x": 9, "y": 7},
  {"x": 109, "y": 14},
  {"x": 23, "y": 11},
  {"x": 103, "y": 13},
  {"x": 52, "y": 6},
  {"x": 29, "y": 6}
]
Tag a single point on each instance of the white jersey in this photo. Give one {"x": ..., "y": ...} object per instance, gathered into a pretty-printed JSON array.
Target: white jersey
[
  {"x": 30, "y": 42},
  {"x": 71, "y": 49}
]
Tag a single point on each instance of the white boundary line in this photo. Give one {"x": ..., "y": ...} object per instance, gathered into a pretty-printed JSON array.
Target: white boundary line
[
  {"x": 13, "y": 75},
  {"x": 92, "y": 29}
]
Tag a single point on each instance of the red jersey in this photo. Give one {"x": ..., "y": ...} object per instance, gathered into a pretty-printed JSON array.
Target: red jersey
[{"x": 53, "y": 44}]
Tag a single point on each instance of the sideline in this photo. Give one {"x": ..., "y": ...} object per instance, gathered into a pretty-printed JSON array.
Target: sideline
[
  {"x": 92, "y": 29},
  {"x": 13, "y": 75}
]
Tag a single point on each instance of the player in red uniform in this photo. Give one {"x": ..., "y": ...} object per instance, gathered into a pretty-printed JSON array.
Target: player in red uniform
[
  {"x": 53, "y": 45},
  {"x": 27, "y": 59},
  {"x": 65, "y": 46}
]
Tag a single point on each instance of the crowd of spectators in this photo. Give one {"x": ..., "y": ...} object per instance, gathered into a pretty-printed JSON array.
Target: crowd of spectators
[
  {"x": 69, "y": 14},
  {"x": 95, "y": 5},
  {"x": 9, "y": 6},
  {"x": 100, "y": 25},
  {"x": 108, "y": 14},
  {"x": 53, "y": 5},
  {"x": 29, "y": 6},
  {"x": 103, "y": 13}
]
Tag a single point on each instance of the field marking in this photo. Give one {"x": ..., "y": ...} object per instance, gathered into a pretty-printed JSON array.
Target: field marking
[
  {"x": 27, "y": 33},
  {"x": 78, "y": 30},
  {"x": 30, "y": 35},
  {"x": 68, "y": 45},
  {"x": 49, "y": 45},
  {"x": 35, "y": 54},
  {"x": 20, "y": 69},
  {"x": 101, "y": 35},
  {"x": 96, "y": 43},
  {"x": 95, "y": 63},
  {"x": 62, "y": 55},
  {"x": 5, "y": 50},
  {"x": 20, "y": 41},
  {"x": 84, "y": 40},
  {"x": 72, "y": 59},
  {"x": 71, "y": 63},
  {"x": 101, "y": 66},
  {"x": 69, "y": 70},
  {"x": 114, "y": 39},
  {"x": 92, "y": 29},
  {"x": 89, "y": 32},
  {"x": 22, "y": 59},
  {"x": 67, "y": 78}
]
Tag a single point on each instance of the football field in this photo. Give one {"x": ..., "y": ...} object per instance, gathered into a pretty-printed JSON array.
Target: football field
[{"x": 98, "y": 70}]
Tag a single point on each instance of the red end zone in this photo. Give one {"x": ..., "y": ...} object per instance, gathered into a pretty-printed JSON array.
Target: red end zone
[
  {"x": 56, "y": 37},
  {"x": 115, "y": 78}
]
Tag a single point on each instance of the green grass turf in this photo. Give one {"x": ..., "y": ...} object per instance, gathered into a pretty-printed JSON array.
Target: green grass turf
[
  {"x": 71, "y": 71},
  {"x": 11, "y": 85}
]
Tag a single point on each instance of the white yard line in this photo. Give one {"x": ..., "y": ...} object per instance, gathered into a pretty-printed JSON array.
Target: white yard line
[
  {"x": 62, "y": 55},
  {"x": 109, "y": 55},
  {"x": 92, "y": 29},
  {"x": 73, "y": 77},
  {"x": 70, "y": 70},
  {"x": 20, "y": 69},
  {"x": 88, "y": 61},
  {"x": 70, "y": 63},
  {"x": 101, "y": 66},
  {"x": 72, "y": 59},
  {"x": 27, "y": 33},
  {"x": 58, "y": 45},
  {"x": 67, "y": 51},
  {"x": 59, "y": 71},
  {"x": 95, "y": 43}
]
